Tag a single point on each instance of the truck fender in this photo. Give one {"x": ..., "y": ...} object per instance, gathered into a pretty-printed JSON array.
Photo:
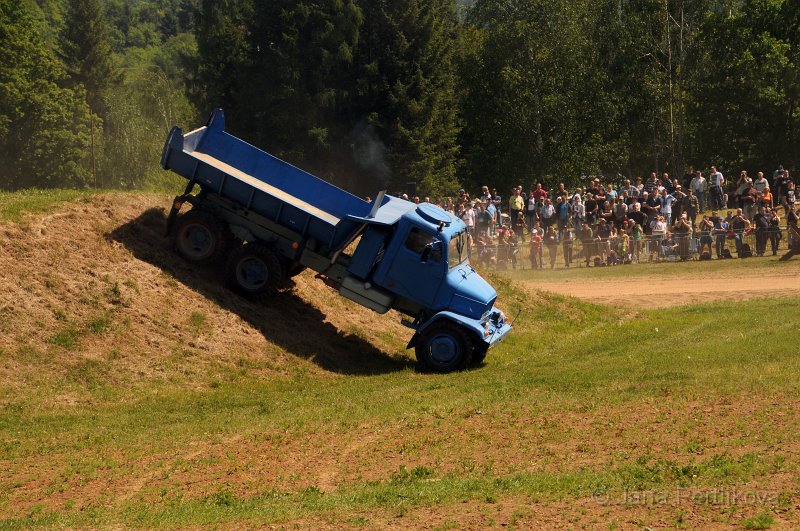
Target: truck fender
[{"x": 470, "y": 326}]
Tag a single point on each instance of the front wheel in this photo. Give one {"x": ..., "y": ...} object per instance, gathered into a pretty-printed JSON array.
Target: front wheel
[
  {"x": 444, "y": 347},
  {"x": 255, "y": 270}
]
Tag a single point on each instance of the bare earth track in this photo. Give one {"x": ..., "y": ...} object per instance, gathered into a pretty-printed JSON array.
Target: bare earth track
[{"x": 660, "y": 291}]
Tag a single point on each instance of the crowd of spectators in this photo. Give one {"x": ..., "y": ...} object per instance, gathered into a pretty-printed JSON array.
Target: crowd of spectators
[{"x": 629, "y": 221}]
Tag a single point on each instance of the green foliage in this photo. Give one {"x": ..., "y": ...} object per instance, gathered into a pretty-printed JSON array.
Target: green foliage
[
  {"x": 43, "y": 127},
  {"x": 85, "y": 49},
  {"x": 406, "y": 86}
]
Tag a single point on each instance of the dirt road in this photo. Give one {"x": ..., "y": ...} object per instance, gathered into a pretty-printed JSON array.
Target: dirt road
[{"x": 658, "y": 291}]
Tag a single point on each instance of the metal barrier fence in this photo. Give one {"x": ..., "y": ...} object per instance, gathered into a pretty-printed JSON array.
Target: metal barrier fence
[{"x": 615, "y": 251}]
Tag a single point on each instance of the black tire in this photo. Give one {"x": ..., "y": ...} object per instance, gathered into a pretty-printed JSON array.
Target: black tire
[
  {"x": 255, "y": 270},
  {"x": 444, "y": 347},
  {"x": 200, "y": 237}
]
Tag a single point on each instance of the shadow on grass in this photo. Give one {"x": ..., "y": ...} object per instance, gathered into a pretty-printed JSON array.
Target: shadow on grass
[{"x": 288, "y": 321}]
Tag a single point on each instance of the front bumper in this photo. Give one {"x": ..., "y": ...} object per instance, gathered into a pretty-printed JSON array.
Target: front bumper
[{"x": 496, "y": 328}]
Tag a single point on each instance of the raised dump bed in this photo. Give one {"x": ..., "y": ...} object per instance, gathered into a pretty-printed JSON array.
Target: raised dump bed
[{"x": 224, "y": 165}]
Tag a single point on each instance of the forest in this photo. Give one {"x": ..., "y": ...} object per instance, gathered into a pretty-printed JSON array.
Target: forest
[{"x": 422, "y": 96}]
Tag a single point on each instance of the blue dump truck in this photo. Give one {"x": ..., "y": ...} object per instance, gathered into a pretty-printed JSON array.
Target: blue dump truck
[{"x": 268, "y": 220}]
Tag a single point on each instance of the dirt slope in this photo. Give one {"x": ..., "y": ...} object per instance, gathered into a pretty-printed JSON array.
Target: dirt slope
[{"x": 94, "y": 289}]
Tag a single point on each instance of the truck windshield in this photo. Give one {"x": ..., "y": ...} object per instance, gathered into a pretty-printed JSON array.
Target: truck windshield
[{"x": 457, "y": 250}]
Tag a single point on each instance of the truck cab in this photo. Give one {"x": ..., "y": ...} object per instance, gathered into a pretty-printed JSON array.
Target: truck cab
[{"x": 422, "y": 259}]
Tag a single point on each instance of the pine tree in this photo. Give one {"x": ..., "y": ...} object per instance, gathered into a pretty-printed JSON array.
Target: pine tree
[
  {"x": 43, "y": 127},
  {"x": 86, "y": 50},
  {"x": 406, "y": 88},
  {"x": 300, "y": 62},
  {"x": 221, "y": 33}
]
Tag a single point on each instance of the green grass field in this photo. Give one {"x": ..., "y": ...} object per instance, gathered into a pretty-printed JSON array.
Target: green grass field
[{"x": 583, "y": 409}]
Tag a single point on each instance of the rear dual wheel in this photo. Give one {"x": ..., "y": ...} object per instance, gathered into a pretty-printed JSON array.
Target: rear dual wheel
[
  {"x": 255, "y": 270},
  {"x": 200, "y": 237}
]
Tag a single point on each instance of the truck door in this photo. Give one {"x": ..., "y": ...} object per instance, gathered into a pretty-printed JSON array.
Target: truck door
[{"x": 418, "y": 268}]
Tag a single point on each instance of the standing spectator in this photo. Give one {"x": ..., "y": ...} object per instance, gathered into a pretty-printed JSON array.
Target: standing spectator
[
  {"x": 603, "y": 237},
  {"x": 551, "y": 242},
  {"x": 468, "y": 216},
  {"x": 562, "y": 212},
  {"x": 607, "y": 213},
  {"x": 776, "y": 174},
  {"x": 497, "y": 199},
  {"x": 535, "y": 250},
  {"x": 677, "y": 205},
  {"x": 532, "y": 210},
  {"x": 699, "y": 185},
  {"x": 667, "y": 182},
  {"x": 567, "y": 242},
  {"x": 548, "y": 214},
  {"x": 639, "y": 184},
  {"x": 761, "y": 183},
  {"x": 720, "y": 234},
  {"x": 681, "y": 232},
  {"x": 705, "y": 228},
  {"x": 741, "y": 187},
  {"x": 592, "y": 209},
  {"x": 738, "y": 224},
  {"x": 781, "y": 187},
  {"x": 717, "y": 180},
  {"x": 774, "y": 231},
  {"x": 789, "y": 199},
  {"x": 749, "y": 201},
  {"x": 539, "y": 192},
  {"x": 578, "y": 212},
  {"x": 761, "y": 223},
  {"x": 610, "y": 192},
  {"x": 635, "y": 214},
  {"x": 690, "y": 207},
  {"x": 596, "y": 189},
  {"x": 636, "y": 234},
  {"x": 587, "y": 242},
  {"x": 650, "y": 183},
  {"x": 665, "y": 202},
  {"x": 491, "y": 210},
  {"x": 482, "y": 220},
  {"x": 515, "y": 205},
  {"x": 620, "y": 212},
  {"x": 633, "y": 191},
  {"x": 765, "y": 198}
]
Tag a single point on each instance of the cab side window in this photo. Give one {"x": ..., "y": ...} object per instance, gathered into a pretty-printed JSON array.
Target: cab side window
[{"x": 418, "y": 240}]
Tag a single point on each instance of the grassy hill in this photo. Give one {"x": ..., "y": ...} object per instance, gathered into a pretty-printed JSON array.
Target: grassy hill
[{"x": 136, "y": 391}]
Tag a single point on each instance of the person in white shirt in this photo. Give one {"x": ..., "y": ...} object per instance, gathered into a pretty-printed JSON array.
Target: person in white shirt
[
  {"x": 578, "y": 212},
  {"x": 761, "y": 183},
  {"x": 699, "y": 185},
  {"x": 717, "y": 198},
  {"x": 666, "y": 206}
]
